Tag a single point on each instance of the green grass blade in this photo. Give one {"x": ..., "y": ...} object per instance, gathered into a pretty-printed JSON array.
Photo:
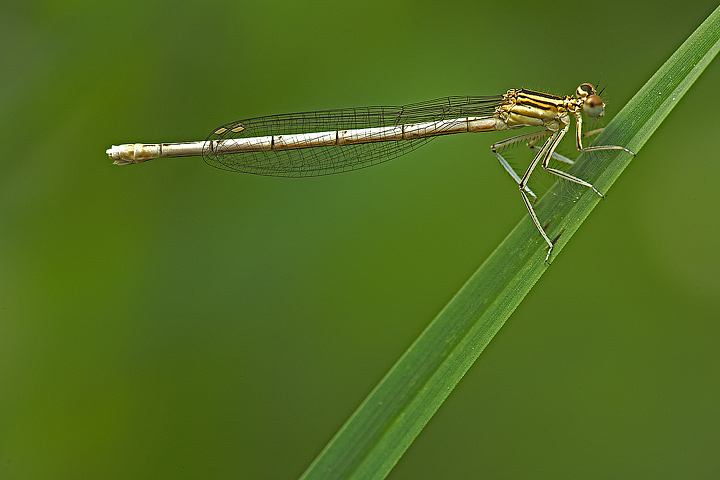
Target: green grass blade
[{"x": 384, "y": 426}]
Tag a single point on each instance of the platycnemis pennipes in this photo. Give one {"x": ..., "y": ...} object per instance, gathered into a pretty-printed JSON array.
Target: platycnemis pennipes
[{"x": 334, "y": 141}]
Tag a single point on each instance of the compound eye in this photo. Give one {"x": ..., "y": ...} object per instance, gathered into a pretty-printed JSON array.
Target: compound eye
[
  {"x": 585, "y": 89},
  {"x": 594, "y": 106}
]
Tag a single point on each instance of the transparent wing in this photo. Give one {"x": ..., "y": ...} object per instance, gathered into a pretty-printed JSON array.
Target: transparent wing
[{"x": 325, "y": 160}]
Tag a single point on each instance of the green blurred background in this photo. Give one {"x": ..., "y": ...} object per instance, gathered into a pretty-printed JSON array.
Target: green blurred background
[{"x": 171, "y": 320}]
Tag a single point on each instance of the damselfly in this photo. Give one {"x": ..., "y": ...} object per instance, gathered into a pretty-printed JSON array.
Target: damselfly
[{"x": 334, "y": 141}]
